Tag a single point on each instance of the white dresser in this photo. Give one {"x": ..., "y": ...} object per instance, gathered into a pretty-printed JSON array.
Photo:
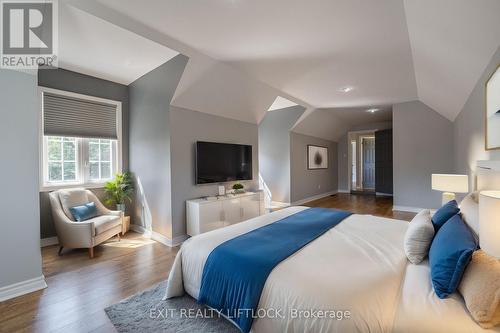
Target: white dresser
[{"x": 205, "y": 215}]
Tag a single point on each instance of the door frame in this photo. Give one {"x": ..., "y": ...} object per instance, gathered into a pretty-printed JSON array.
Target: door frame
[
  {"x": 362, "y": 162},
  {"x": 351, "y": 136}
]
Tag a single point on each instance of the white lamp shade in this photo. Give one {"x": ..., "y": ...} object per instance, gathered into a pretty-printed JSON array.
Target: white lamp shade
[
  {"x": 489, "y": 222},
  {"x": 450, "y": 183}
]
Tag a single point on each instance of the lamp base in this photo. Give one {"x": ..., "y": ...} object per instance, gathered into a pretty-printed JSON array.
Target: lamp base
[{"x": 447, "y": 197}]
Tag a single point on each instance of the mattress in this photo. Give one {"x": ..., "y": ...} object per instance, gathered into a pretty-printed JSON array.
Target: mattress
[
  {"x": 420, "y": 310},
  {"x": 358, "y": 267},
  {"x": 355, "y": 268}
]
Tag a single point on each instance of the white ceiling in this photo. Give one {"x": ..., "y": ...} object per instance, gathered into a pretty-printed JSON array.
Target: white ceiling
[
  {"x": 332, "y": 123},
  {"x": 216, "y": 88},
  {"x": 281, "y": 103},
  {"x": 322, "y": 124},
  {"x": 95, "y": 47},
  {"x": 452, "y": 42},
  {"x": 358, "y": 116},
  {"x": 243, "y": 54},
  {"x": 307, "y": 49}
]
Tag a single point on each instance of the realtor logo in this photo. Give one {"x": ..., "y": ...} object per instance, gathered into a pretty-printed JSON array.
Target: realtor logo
[{"x": 29, "y": 34}]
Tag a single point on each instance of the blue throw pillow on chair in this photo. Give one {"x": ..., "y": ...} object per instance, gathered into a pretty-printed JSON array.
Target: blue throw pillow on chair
[
  {"x": 444, "y": 213},
  {"x": 84, "y": 212},
  {"x": 450, "y": 253}
]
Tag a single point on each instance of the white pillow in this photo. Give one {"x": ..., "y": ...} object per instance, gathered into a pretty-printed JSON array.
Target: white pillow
[
  {"x": 418, "y": 237},
  {"x": 71, "y": 198},
  {"x": 469, "y": 208}
]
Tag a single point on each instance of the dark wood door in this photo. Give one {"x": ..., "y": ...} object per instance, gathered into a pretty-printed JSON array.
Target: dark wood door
[{"x": 383, "y": 162}]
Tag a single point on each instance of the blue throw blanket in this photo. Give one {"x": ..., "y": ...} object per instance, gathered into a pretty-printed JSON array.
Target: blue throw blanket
[{"x": 236, "y": 270}]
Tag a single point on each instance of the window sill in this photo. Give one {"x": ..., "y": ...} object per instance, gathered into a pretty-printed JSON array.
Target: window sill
[{"x": 50, "y": 188}]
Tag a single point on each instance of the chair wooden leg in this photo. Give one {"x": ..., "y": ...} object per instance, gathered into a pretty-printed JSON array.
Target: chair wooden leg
[
  {"x": 119, "y": 238},
  {"x": 59, "y": 253},
  {"x": 91, "y": 252}
]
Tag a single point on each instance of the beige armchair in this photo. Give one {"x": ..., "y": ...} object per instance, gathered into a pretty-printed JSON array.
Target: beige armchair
[{"x": 87, "y": 234}]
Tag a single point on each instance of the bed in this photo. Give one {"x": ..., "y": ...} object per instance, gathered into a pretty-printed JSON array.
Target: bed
[{"x": 358, "y": 266}]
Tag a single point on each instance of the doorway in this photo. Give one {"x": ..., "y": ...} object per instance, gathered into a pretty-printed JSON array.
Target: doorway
[
  {"x": 370, "y": 162},
  {"x": 362, "y": 161}
]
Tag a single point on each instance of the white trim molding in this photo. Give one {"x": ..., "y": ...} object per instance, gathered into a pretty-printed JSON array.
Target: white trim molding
[
  {"x": 21, "y": 288},
  {"x": 176, "y": 241},
  {"x": 49, "y": 241},
  {"x": 407, "y": 209},
  {"x": 314, "y": 197},
  {"x": 82, "y": 182},
  {"x": 343, "y": 191}
]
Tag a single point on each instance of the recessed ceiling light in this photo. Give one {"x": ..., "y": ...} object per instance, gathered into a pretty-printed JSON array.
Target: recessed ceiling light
[
  {"x": 346, "y": 89},
  {"x": 372, "y": 110}
]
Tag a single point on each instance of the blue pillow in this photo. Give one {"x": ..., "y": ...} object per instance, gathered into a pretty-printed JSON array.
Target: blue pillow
[
  {"x": 451, "y": 250},
  {"x": 444, "y": 213},
  {"x": 85, "y": 212}
]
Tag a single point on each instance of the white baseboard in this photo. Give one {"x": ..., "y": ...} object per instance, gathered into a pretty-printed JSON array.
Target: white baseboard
[
  {"x": 314, "y": 197},
  {"x": 49, "y": 241},
  {"x": 21, "y": 288},
  {"x": 343, "y": 191},
  {"x": 140, "y": 229},
  {"x": 408, "y": 209},
  {"x": 176, "y": 241}
]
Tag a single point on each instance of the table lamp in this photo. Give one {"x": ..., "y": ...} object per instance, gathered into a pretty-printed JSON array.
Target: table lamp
[
  {"x": 450, "y": 184},
  {"x": 489, "y": 222}
]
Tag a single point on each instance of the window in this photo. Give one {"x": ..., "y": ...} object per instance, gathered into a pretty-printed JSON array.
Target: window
[
  {"x": 100, "y": 159},
  {"x": 70, "y": 161},
  {"x": 68, "y": 156},
  {"x": 62, "y": 159}
]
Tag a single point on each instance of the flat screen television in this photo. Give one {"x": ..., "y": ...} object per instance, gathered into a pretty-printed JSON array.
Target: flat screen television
[{"x": 222, "y": 162}]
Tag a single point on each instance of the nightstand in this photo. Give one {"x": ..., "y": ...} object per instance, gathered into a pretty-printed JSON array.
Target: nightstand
[{"x": 125, "y": 224}]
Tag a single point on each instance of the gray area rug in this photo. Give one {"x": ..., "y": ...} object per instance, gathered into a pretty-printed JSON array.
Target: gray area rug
[{"x": 146, "y": 312}]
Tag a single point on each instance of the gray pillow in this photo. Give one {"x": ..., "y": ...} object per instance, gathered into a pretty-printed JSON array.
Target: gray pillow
[{"x": 418, "y": 237}]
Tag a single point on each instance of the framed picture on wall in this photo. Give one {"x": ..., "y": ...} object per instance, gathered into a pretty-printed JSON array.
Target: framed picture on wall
[
  {"x": 317, "y": 157},
  {"x": 492, "y": 132}
]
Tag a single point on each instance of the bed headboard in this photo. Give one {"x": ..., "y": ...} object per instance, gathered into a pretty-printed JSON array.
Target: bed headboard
[{"x": 488, "y": 175}]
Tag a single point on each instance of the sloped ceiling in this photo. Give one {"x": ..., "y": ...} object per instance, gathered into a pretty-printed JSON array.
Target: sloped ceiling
[
  {"x": 322, "y": 124},
  {"x": 333, "y": 123},
  {"x": 389, "y": 51},
  {"x": 85, "y": 47},
  {"x": 216, "y": 88},
  {"x": 452, "y": 42},
  {"x": 281, "y": 103}
]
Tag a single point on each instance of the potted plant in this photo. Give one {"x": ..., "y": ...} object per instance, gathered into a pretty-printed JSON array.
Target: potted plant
[
  {"x": 238, "y": 188},
  {"x": 119, "y": 190}
]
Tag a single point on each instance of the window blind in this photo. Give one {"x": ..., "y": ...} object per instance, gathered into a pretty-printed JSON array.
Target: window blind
[{"x": 76, "y": 117}]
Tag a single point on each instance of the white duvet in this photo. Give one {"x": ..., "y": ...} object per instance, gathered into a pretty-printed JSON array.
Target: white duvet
[{"x": 357, "y": 266}]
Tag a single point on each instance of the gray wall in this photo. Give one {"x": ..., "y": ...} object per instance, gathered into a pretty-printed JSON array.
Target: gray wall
[
  {"x": 307, "y": 183},
  {"x": 274, "y": 152},
  {"x": 20, "y": 257},
  {"x": 469, "y": 127},
  {"x": 150, "y": 154},
  {"x": 187, "y": 127},
  {"x": 422, "y": 145},
  {"x": 88, "y": 85},
  {"x": 343, "y": 151}
]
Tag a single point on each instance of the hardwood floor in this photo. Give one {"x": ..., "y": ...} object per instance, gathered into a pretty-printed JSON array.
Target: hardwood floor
[
  {"x": 80, "y": 288},
  {"x": 362, "y": 204}
]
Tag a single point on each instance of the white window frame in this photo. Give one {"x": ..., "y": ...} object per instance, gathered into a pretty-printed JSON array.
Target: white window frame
[{"x": 44, "y": 187}]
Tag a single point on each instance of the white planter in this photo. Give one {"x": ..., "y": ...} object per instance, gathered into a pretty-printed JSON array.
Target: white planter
[{"x": 120, "y": 207}]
